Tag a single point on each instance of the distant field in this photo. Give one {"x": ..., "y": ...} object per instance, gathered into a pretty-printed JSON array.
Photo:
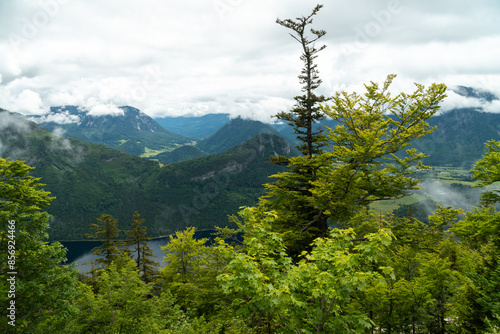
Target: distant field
[
  {"x": 388, "y": 206},
  {"x": 439, "y": 175},
  {"x": 149, "y": 152}
]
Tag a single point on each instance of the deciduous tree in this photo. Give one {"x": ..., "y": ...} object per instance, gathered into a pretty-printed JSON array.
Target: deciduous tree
[
  {"x": 190, "y": 272},
  {"x": 366, "y": 161},
  {"x": 311, "y": 296},
  {"x": 487, "y": 171}
]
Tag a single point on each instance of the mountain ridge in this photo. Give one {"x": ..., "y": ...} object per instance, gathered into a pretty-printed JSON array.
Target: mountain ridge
[
  {"x": 90, "y": 179},
  {"x": 133, "y": 132},
  {"x": 233, "y": 133}
]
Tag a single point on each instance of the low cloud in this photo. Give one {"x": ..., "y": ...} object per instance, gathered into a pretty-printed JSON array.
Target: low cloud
[
  {"x": 59, "y": 118},
  {"x": 21, "y": 131},
  {"x": 456, "y": 101},
  {"x": 105, "y": 109},
  {"x": 8, "y": 120},
  {"x": 493, "y": 107},
  {"x": 59, "y": 143},
  {"x": 450, "y": 195},
  {"x": 459, "y": 98}
]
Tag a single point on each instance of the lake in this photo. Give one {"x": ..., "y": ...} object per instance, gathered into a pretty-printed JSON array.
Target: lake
[{"x": 80, "y": 252}]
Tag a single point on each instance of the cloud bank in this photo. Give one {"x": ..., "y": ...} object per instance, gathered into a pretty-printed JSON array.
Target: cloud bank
[{"x": 191, "y": 57}]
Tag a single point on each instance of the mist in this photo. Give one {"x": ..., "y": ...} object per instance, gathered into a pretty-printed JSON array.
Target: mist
[{"x": 454, "y": 194}]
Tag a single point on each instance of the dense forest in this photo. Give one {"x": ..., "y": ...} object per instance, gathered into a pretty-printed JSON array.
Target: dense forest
[{"x": 309, "y": 257}]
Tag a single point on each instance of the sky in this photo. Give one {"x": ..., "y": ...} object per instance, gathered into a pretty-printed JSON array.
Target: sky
[{"x": 193, "y": 57}]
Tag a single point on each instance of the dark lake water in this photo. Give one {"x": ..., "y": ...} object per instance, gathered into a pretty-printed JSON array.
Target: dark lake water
[{"x": 80, "y": 252}]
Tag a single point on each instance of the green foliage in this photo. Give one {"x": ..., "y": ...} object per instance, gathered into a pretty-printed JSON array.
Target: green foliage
[
  {"x": 480, "y": 230},
  {"x": 458, "y": 140},
  {"x": 428, "y": 292},
  {"x": 487, "y": 171},
  {"x": 310, "y": 296},
  {"x": 360, "y": 167},
  {"x": 105, "y": 230},
  {"x": 190, "y": 273},
  {"x": 123, "y": 304},
  {"x": 43, "y": 288}
]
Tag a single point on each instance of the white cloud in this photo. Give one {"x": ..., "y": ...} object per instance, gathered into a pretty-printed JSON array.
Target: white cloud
[
  {"x": 493, "y": 107},
  {"x": 105, "y": 109},
  {"x": 29, "y": 102},
  {"x": 456, "y": 101},
  {"x": 167, "y": 57},
  {"x": 59, "y": 118}
]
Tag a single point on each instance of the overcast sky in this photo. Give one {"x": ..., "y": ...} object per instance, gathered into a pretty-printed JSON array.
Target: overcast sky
[{"x": 192, "y": 57}]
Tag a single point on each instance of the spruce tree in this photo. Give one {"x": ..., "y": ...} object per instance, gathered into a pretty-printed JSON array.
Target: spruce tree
[
  {"x": 303, "y": 118},
  {"x": 141, "y": 250},
  {"x": 105, "y": 230},
  {"x": 36, "y": 288},
  {"x": 306, "y": 112}
]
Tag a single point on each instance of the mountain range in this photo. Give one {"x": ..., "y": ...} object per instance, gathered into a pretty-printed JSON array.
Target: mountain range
[
  {"x": 194, "y": 126},
  {"x": 91, "y": 179},
  {"x": 187, "y": 180},
  {"x": 136, "y": 133},
  {"x": 132, "y": 131}
]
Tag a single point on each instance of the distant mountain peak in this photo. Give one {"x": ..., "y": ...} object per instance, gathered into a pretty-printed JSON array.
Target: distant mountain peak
[
  {"x": 131, "y": 118},
  {"x": 235, "y": 132},
  {"x": 131, "y": 130}
]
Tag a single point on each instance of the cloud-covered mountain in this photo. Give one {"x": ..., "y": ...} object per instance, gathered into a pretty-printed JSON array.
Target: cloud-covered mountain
[
  {"x": 474, "y": 93},
  {"x": 125, "y": 128}
]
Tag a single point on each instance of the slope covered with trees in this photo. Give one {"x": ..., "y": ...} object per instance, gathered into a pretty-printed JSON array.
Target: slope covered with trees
[
  {"x": 183, "y": 153},
  {"x": 89, "y": 180}
]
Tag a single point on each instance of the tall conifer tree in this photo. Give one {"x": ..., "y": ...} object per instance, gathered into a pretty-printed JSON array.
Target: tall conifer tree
[
  {"x": 36, "y": 288},
  {"x": 106, "y": 230},
  {"x": 296, "y": 186},
  {"x": 141, "y": 250},
  {"x": 306, "y": 111}
]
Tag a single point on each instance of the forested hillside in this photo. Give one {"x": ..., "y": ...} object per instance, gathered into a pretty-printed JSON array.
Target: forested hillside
[
  {"x": 89, "y": 179},
  {"x": 459, "y": 138}
]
